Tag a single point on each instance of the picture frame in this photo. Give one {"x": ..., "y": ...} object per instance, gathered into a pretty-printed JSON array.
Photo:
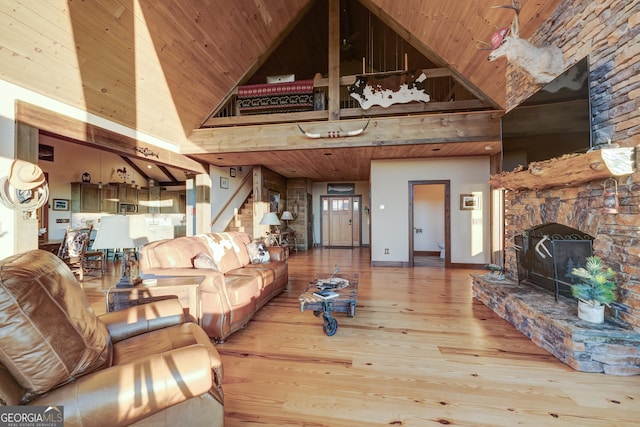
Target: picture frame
[
  {"x": 341, "y": 188},
  {"x": 60, "y": 204},
  {"x": 232, "y": 172},
  {"x": 224, "y": 182},
  {"x": 469, "y": 202},
  {"x": 274, "y": 201},
  {"x": 45, "y": 152}
]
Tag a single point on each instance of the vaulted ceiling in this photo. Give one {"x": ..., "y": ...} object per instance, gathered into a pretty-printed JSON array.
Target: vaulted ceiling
[{"x": 163, "y": 66}]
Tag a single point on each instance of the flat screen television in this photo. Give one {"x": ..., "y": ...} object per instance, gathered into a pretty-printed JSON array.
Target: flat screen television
[{"x": 554, "y": 121}]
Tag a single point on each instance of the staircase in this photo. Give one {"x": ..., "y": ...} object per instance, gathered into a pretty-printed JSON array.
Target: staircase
[{"x": 243, "y": 217}]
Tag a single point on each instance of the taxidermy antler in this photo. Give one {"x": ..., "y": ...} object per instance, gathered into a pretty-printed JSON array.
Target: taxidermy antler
[
  {"x": 543, "y": 64},
  {"x": 334, "y": 133}
]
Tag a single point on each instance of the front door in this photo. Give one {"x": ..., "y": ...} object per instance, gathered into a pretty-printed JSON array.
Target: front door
[{"x": 341, "y": 221}]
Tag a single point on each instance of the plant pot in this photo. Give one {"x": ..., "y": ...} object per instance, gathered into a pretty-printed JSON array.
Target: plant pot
[{"x": 590, "y": 313}]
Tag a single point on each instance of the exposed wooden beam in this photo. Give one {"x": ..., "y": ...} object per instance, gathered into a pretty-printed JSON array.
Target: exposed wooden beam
[
  {"x": 135, "y": 167},
  {"x": 417, "y": 129},
  {"x": 567, "y": 171},
  {"x": 167, "y": 173},
  {"x": 94, "y": 136}
]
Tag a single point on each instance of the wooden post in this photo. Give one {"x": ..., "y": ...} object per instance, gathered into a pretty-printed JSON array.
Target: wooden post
[
  {"x": 27, "y": 138},
  {"x": 334, "y": 60}
]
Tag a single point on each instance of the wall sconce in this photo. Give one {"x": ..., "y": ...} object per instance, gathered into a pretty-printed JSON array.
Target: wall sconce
[
  {"x": 610, "y": 200},
  {"x": 296, "y": 208}
]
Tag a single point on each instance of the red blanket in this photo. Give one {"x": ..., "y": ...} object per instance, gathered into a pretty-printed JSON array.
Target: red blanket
[{"x": 276, "y": 97}]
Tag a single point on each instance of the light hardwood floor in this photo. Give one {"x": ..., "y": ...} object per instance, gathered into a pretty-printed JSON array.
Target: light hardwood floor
[{"x": 420, "y": 351}]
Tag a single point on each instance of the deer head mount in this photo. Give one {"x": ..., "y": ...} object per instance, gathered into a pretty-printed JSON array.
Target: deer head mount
[{"x": 543, "y": 64}]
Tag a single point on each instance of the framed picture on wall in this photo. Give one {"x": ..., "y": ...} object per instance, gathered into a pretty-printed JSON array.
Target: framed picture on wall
[
  {"x": 45, "y": 152},
  {"x": 224, "y": 182},
  {"x": 469, "y": 202},
  {"x": 60, "y": 204},
  {"x": 341, "y": 188},
  {"x": 274, "y": 201}
]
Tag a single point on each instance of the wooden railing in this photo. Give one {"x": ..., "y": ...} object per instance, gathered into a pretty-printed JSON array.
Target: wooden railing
[{"x": 446, "y": 96}]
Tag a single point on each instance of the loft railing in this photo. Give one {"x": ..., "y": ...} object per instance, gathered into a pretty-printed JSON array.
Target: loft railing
[{"x": 445, "y": 92}]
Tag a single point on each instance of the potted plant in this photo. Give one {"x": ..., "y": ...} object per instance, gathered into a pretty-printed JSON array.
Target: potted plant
[{"x": 595, "y": 289}]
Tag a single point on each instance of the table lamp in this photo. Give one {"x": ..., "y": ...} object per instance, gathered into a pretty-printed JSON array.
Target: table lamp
[
  {"x": 270, "y": 218},
  {"x": 123, "y": 232},
  {"x": 287, "y": 216}
]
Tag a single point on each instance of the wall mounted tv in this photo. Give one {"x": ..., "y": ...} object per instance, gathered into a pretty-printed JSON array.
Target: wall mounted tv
[{"x": 554, "y": 121}]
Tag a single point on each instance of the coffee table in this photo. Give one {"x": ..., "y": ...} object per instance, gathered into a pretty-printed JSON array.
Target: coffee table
[{"x": 345, "y": 302}]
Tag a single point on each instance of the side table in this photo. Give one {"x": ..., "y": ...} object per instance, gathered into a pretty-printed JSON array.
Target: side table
[{"x": 186, "y": 289}]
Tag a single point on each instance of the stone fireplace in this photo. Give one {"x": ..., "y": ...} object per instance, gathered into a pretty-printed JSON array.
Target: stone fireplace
[
  {"x": 571, "y": 194},
  {"x": 546, "y": 255},
  {"x": 550, "y": 319}
]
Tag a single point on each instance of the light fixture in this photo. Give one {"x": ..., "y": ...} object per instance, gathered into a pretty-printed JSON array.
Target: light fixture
[
  {"x": 610, "y": 199},
  {"x": 24, "y": 188},
  {"x": 287, "y": 216},
  {"x": 126, "y": 232},
  {"x": 296, "y": 208},
  {"x": 270, "y": 218}
]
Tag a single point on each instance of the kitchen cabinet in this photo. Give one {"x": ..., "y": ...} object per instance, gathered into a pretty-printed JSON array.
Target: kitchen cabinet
[
  {"x": 143, "y": 200},
  {"x": 127, "y": 194},
  {"x": 85, "y": 197},
  {"x": 109, "y": 199},
  {"x": 173, "y": 202}
]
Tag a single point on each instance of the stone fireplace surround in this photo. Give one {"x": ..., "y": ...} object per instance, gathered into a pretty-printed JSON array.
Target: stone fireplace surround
[{"x": 612, "y": 348}]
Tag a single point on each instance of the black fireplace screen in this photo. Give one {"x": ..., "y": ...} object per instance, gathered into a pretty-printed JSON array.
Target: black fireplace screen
[{"x": 546, "y": 255}]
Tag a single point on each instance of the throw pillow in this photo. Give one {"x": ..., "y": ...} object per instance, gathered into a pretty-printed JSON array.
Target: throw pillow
[
  {"x": 203, "y": 260},
  {"x": 258, "y": 253},
  {"x": 49, "y": 332}
]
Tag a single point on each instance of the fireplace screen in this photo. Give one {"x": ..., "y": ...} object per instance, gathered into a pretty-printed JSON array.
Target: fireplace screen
[{"x": 546, "y": 255}]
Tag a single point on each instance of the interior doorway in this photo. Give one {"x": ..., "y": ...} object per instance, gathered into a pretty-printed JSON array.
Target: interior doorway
[
  {"x": 430, "y": 221},
  {"x": 341, "y": 224}
]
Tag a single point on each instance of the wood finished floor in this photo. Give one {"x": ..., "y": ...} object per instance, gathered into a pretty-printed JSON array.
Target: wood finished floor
[{"x": 420, "y": 351}]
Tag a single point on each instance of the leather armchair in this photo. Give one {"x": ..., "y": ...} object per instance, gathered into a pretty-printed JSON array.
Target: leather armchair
[{"x": 143, "y": 366}]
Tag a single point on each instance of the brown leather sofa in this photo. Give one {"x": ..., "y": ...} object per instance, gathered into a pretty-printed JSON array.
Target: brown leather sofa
[
  {"x": 234, "y": 287},
  {"x": 143, "y": 366}
]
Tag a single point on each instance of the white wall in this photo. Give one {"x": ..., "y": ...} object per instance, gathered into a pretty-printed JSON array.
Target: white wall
[{"x": 470, "y": 230}]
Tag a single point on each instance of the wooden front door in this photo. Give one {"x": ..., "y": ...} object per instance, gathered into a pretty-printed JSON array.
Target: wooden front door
[{"x": 341, "y": 221}]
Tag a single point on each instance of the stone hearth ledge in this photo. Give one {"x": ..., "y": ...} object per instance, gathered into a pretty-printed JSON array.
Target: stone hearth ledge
[{"x": 554, "y": 326}]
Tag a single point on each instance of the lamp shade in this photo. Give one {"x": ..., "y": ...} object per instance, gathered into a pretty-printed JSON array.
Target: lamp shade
[
  {"x": 287, "y": 216},
  {"x": 122, "y": 231},
  {"x": 270, "y": 218}
]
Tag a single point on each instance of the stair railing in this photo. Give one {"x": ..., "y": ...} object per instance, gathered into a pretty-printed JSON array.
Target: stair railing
[{"x": 226, "y": 214}]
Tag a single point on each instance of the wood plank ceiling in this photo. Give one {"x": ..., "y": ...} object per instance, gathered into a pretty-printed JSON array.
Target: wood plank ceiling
[{"x": 161, "y": 67}]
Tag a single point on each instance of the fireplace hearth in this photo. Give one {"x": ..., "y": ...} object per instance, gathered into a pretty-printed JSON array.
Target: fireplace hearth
[{"x": 546, "y": 254}]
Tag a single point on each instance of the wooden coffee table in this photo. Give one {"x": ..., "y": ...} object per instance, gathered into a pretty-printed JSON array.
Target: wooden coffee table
[{"x": 345, "y": 302}]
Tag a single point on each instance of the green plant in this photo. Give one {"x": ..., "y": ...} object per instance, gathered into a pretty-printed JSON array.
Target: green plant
[{"x": 596, "y": 286}]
